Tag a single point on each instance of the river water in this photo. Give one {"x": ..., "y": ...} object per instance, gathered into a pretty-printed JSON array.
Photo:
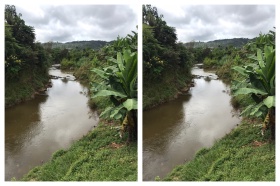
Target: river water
[
  {"x": 175, "y": 131},
  {"x": 35, "y": 129}
]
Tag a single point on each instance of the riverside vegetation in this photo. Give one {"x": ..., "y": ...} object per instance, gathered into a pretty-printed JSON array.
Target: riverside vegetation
[
  {"x": 26, "y": 61},
  {"x": 162, "y": 55},
  {"x": 248, "y": 152},
  {"x": 109, "y": 152}
]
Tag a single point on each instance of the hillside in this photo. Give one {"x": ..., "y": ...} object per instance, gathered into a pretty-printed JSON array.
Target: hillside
[
  {"x": 236, "y": 42},
  {"x": 79, "y": 44}
]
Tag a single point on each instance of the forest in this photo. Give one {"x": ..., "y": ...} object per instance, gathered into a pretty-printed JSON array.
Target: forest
[
  {"x": 235, "y": 42},
  {"x": 26, "y": 61},
  {"x": 162, "y": 54},
  {"x": 78, "y": 44}
]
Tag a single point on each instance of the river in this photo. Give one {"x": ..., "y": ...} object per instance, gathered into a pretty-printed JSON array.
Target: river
[
  {"x": 35, "y": 129},
  {"x": 173, "y": 132}
]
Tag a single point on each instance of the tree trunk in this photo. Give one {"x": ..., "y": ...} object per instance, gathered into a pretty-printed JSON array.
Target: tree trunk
[
  {"x": 272, "y": 122},
  {"x": 132, "y": 126},
  {"x": 134, "y": 117}
]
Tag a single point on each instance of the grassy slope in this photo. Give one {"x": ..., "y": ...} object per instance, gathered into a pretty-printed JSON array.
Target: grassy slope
[
  {"x": 24, "y": 87},
  {"x": 166, "y": 88},
  {"x": 101, "y": 155},
  {"x": 242, "y": 155}
]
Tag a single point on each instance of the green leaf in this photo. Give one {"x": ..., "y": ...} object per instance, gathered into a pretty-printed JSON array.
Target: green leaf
[
  {"x": 118, "y": 116},
  {"x": 247, "y": 110},
  {"x": 272, "y": 85},
  {"x": 108, "y": 93},
  {"x": 106, "y": 112},
  {"x": 120, "y": 61},
  {"x": 249, "y": 91},
  {"x": 260, "y": 58},
  {"x": 269, "y": 101},
  {"x": 101, "y": 73},
  {"x": 130, "y": 104},
  {"x": 253, "y": 57},
  {"x": 256, "y": 109},
  {"x": 113, "y": 60},
  {"x": 240, "y": 70},
  {"x": 116, "y": 111}
]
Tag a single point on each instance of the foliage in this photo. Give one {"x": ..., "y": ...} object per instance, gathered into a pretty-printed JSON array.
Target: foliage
[
  {"x": 234, "y": 42},
  {"x": 120, "y": 84},
  {"x": 166, "y": 63},
  {"x": 21, "y": 51},
  {"x": 207, "y": 62},
  {"x": 259, "y": 80},
  {"x": 96, "y": 45},
  {"x": 25, "y": 59},
  {"x": 161, "y": 52}
]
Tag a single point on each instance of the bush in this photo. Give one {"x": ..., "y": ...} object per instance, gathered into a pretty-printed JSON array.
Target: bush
[{"x": 67, "y": 64}]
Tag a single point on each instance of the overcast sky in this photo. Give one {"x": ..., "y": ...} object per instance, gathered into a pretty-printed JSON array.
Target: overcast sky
[
  {"x": 64, "y": 23},
  {"x": 211, "y": 22}
]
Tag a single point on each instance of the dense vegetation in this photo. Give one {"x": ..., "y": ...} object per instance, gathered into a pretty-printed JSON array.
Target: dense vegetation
[
  {"x": 248, "y": 152},
  {"x": 78, "y": 44},
  {"x": 26, "y": 61},
  {"x": 235, "y": 42},
  {"x": 162, "y": 55}
]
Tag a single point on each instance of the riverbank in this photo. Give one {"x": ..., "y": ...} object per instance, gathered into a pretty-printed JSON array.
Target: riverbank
[
  {"x": 173, "y": 132},
  {"x": 167, "y": 88},
  {"x": 242, "y": 155},
  {"x": 101, "y": 155},
  {"x": 25, "y": 86}
]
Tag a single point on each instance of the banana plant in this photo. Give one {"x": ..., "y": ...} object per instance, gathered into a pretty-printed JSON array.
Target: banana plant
[
  {"x": 259, "y": 82},
  {"x": 119, "y": 82}
]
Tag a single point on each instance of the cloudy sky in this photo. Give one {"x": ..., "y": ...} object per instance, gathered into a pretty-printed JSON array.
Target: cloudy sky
[
  {"x": 64, "y": 23},
  {"x": 211, "y": 22}
]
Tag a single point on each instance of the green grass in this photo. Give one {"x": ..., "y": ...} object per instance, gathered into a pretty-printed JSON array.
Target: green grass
[
  {"x": 101, "y": 155},
  {"x": 24, "y": 86},
  {"x": 166, "y": 88},
  {"x": 242, "y": 155}
]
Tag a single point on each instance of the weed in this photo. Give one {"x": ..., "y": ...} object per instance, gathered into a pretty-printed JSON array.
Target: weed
[{"x": 92, "y": 158}]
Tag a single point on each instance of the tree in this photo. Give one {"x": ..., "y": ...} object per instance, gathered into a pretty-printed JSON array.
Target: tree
[
  {"x": 120, "y": 84},
  {"x": 24, "y": 34},
  {"x": 20, "y": 48},
  {"x": 259, "y": 81}
]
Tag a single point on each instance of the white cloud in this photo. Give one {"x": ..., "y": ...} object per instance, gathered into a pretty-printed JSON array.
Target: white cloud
[
  {"x": 210, "y": 22},
  {"x": 79, "y": 22}
]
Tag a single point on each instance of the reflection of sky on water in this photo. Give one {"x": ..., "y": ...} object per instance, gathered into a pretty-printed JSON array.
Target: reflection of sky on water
[
  {"x": 37, "y": 128},
  {"x": 175, "y": 131}
]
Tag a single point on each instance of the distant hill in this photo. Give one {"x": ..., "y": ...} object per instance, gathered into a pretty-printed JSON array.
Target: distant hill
[
  {"x": 80, "y": 44},
  {"x": 235, "y": 42}
]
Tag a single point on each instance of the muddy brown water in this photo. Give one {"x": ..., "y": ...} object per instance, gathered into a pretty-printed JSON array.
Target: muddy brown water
[
  {"x": 175, "y": 131},
  {"x": 35, "y": 129}
]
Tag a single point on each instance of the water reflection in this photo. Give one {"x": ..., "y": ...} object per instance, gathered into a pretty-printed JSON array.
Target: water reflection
[
  {"x": 175, "y": 131},
  {"x": 37, "y": 128},
  {"x": 19, "y": 122}
]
